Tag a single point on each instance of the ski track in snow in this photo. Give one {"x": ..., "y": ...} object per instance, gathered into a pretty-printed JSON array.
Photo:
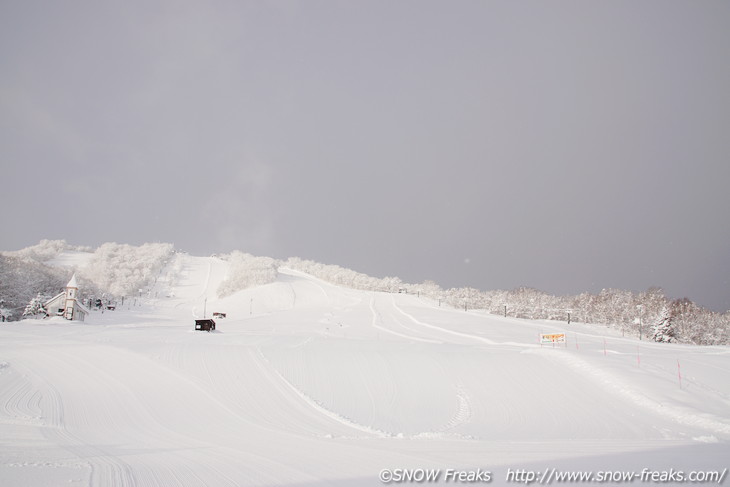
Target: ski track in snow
[
  {"x": 105, "y": 469},
  {"x": 22, "y": 400},
  {"x": 463, "y": 411},
  {"x": 377, "y": 323},
  {"x": 625, "y": 391},
  {"x": 443, "y": 330},
  {"x": 331, "y": 414}
]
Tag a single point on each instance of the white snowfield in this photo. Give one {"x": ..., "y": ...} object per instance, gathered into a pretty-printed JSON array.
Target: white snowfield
[{"x": 308, "y": 384}]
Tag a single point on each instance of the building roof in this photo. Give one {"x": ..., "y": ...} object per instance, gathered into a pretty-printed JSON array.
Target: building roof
[
  {"x": 81, "y": 306},
  {"x": 72, "y": 282},
  {"x": 54, "y": 298}
]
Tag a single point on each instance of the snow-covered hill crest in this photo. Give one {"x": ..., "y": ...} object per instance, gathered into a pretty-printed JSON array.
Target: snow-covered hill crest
[{"x": 119, "y": 270}]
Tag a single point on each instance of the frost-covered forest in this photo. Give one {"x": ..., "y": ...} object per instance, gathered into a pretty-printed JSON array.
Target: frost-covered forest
[
  {"x": 122, "y": 270},
  {"x": 22, "y": 280},
  {"x": 112, "y": 270},
  {"x": 246, "y": 271}
]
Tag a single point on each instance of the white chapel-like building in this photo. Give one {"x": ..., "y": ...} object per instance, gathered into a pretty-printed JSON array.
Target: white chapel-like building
[{"x": 67, "y": 303}]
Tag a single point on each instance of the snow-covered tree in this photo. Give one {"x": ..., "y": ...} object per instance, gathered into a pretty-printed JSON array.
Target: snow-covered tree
[
  {"x": 44, "y": 251},
  {"x": 123, "y": 269},
  {"x": 429, "y": 289},
  {"x": 663, "y": 330},
  {"x": 246, "y": 271},
  {"x": 35, "y": 307},
  {"x": 4, "y": 311},
  {"x": 21, "y": 280}
]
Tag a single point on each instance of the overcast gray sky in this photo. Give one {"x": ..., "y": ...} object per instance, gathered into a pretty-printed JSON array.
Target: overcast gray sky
[{"x": 568, "y": 146}]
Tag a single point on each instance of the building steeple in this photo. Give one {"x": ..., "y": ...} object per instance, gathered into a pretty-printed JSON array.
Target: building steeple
[{"x": 72, "y": 288}]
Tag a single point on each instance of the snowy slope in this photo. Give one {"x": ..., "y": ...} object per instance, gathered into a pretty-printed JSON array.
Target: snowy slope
[
  {"x": 306, "y": 383},
  {"x": 70, "y": 258}
]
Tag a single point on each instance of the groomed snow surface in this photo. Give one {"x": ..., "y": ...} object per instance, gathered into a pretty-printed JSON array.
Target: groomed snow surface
[{"x": 308, "y": 384}]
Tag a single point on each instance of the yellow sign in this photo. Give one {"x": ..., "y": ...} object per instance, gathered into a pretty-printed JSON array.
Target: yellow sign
[{"x": 552, "y": 338}]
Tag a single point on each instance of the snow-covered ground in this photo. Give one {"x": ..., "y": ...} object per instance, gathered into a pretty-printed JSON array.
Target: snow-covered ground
[{"x": 308, "y": 384}]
